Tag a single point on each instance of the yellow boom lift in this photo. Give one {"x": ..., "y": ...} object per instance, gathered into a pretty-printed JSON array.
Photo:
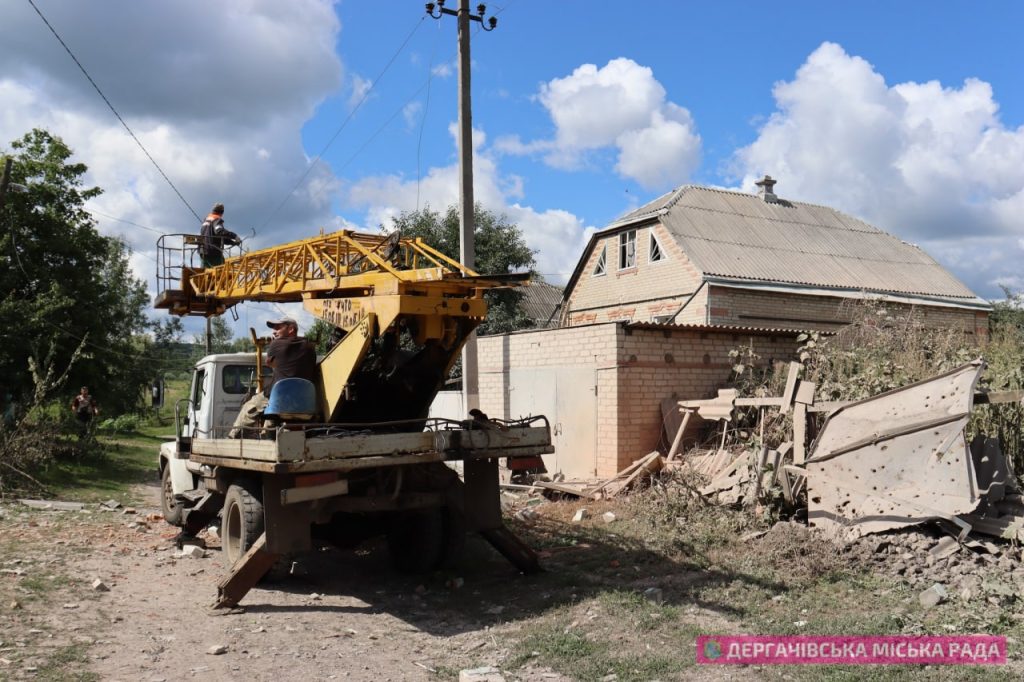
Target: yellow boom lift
[{"x": 402, "y": 311}]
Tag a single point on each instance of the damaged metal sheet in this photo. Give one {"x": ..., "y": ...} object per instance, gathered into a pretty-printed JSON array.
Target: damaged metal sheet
[{"x": 896, "y": 459}]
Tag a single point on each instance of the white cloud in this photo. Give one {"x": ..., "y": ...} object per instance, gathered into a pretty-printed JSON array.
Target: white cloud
[
  {"x": 217, "y": 93},
  {"x": 360, "y": 86},
  {"x": 557, "y": 236},
  {"x": 411, "y": 114},
  {"x": 931, "y": 163},
  {"x": 622, "y": 107}
]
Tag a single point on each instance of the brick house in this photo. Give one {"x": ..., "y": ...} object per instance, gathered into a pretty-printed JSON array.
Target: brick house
[
  {"x": 660, "y": 297},
  {"x": 707, "y": 256},
  {"x": 601, "y": 385}
]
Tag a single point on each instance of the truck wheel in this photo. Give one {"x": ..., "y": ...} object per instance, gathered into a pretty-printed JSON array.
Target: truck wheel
[
  {"x": 242, "y": 523},
  {"x": 170, "y": 507},
  {"x": 416, "y": 541}
]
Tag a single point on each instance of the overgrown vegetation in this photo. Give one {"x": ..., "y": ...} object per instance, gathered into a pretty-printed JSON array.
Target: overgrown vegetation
[
  {"x": 79, "y": 318},
  {"x": 883, "y": 349}
]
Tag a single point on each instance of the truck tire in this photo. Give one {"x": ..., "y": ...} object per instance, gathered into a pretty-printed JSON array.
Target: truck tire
[
  {"x": 417, "y": 541},
  {"x": 169, "y": 507},
  {"x": 242, "y": 523}
]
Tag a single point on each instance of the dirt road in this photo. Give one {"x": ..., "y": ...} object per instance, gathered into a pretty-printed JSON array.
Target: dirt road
[{"x": 336, "y": 616}]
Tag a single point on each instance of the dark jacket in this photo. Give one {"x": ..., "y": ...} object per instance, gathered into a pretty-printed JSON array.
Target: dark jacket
[{"x": 215, "y": 236}]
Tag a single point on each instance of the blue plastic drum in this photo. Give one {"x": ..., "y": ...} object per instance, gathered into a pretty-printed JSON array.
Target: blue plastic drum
[{"x": 292, "y": 399}]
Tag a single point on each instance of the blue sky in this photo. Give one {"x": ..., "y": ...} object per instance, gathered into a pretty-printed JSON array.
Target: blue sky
[{"x": 908, "y": 115}]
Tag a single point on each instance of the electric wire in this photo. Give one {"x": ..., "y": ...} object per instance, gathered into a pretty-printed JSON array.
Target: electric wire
[
  {"x": 344, "y": 123},
  {"x": 129, "y": 222},
  {"x": 119, "y": 118},
  {"x": 423, "y": 119}
]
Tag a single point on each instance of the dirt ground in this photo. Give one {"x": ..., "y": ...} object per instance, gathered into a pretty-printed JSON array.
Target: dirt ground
[
  {"x": 332, "y": 615},
  {"x": 348, "y": 615}
]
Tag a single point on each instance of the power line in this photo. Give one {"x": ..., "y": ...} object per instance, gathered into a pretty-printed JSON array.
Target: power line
[
  {"x": 129, "y": 222},
  {"x": 344, "y": 123},
  {"x": 426, "y": 109},
  {"x": 137, "y": 141}
]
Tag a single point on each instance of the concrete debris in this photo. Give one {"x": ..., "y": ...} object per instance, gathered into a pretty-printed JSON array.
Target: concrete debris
[
  {"x": 191, "y": 552},
  {"x": 100, "y": 586},
  {"x": 53, "y": 505},
  {"x": 580, "y": 515},
  {"x": 110, "y": 504},
  {"x": 933, "y": 596},
  {"x": 655, "y": 595},
  {"x": 483, "y": 674},
  {"x": 217, "y": 649},
  {"x": 608, "y": 517},
  {"x": 527, "y": 515}
]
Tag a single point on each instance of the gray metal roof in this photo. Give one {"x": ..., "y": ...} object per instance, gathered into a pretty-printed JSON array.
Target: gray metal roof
[
  {"x": 540, "y": 302},
  {"x": 735, "y": 235}
]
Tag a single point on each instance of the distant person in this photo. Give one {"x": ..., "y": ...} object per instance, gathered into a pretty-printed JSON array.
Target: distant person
[
  {"x": 83, "y": 406},
  {"x": 214, "y": 237},
  {"x": 290, "y": 356}
]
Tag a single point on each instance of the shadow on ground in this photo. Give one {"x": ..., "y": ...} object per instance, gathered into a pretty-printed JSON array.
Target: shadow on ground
[{"x": 486, "y": 590}]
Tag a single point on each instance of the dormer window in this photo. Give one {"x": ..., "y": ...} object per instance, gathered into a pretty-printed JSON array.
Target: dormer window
[
  {"x": 602, "y": 262},
  {"x": 627, "y": 249},
  {"x": 654, "y": 249}
]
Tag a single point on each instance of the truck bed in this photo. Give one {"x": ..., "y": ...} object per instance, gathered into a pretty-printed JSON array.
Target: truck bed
[{"x": 299, "y": 451}]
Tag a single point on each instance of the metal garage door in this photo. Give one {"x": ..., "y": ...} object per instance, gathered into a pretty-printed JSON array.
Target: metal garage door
[{"x": 567, "y": 396}]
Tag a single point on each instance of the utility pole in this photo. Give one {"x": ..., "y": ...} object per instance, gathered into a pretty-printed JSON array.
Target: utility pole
[{"x": 467, "y": 252}]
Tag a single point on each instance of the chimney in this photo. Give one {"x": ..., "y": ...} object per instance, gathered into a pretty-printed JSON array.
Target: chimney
[{"x": 767, "y": 189}]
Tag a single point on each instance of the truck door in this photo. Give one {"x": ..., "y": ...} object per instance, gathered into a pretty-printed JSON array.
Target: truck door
[
  {"x": 236, "y": 381},
  {"x": 195, "y": 403}
]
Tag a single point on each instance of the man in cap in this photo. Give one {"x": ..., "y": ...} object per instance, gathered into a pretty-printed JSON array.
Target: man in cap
[
  {"x": 289, "y": 355},
  {"x": 214, "y": 236}
]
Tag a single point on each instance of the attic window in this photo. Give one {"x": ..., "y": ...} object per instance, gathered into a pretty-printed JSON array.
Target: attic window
[
  {"x": 656, "y": 254},
  {"x": 627, "y": 249},
  {"x": 602, "y": 262}
]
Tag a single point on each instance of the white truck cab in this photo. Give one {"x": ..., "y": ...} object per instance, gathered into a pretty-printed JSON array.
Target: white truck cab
[{"x": 221, "y": 383}]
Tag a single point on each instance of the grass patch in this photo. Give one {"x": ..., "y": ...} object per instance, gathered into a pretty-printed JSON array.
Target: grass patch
[
  {"x": 60, "y": 666},
  {"x": 124, "y": 462},
  {"x": 641, "y": 613},
  {"x": 585, "y": 657}
]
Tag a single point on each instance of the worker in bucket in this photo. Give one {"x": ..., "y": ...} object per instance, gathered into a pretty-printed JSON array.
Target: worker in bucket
[{"x": 214, "y": 237}]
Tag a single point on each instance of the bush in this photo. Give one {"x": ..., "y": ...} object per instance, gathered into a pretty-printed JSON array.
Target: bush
[
  {"x": 124, "y": 423},
  {"x": 881, "y": 350}
]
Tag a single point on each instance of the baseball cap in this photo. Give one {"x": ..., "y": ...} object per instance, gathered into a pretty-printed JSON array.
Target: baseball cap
[{"x": 273, "y": 324}]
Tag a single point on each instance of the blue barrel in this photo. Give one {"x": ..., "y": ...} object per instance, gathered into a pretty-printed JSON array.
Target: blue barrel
[{"x": 292, "y": 399}]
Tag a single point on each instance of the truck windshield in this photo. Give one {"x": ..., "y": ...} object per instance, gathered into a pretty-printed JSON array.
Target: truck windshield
[{"x": 236, "y": 379}]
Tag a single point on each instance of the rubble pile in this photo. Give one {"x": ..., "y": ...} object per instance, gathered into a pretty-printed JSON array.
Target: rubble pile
[{"x": 972, "y": 572}]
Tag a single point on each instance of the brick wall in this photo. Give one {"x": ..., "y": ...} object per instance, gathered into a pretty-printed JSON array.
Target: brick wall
[
  {"x": 635, "y": 369},
  {"x": 685, "y": 364},
  {"x": 640, "y": 293}
]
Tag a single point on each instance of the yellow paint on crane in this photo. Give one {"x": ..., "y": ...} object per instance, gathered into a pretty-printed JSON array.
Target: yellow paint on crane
[{"x": 340, "y": 364}]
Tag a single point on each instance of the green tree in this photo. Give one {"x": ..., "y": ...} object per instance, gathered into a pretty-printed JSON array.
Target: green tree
[
  {"x": 321, "y": 334},
  {"x": 63, "y": 282},
  {"x": 221, "y": 337},
  {"x": 500, "y": 249}
]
